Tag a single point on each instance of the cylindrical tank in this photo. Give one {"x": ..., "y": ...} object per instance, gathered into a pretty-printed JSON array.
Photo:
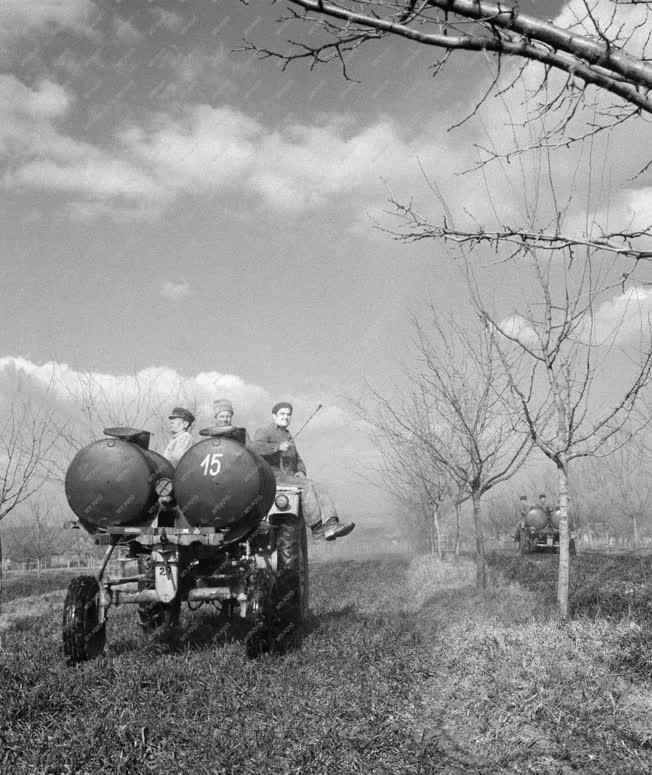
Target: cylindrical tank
[
  {"x": 220, "y": 483},
  {"x": 111, "y": 483},
  {"x": 536, "y": 517}
]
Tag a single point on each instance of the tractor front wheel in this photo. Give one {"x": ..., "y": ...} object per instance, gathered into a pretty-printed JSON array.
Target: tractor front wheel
[{"x": 84, "y": 636}]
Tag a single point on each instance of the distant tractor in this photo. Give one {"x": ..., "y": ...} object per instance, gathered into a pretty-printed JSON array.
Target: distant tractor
[
  {"x": 538, "y": 531},
  {"x": 215, "y": 530}
]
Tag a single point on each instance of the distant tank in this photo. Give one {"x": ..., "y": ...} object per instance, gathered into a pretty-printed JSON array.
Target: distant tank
[
  {"x": 539, "y": 531},
  {"x": 110, "y": 483},
  {"x": 536, "y": 517},
  {"x": 219, "y": 482}
]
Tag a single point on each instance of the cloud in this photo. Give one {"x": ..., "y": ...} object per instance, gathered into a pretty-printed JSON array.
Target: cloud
[
  {"x": 131, "y": 212},
  {"x": 292, "y": 170},
  {"x": 175, "y": 291},
  {"x": 21, "y": 17},
  {"x": 622, "y": 319},
  {"x": 125, "y": 31},
  {"x": 43, "y": 102},
  {"x": 298, "y": 168},
  {"x": 517, "y": 327},
  {"x": 625, "y": 318},
  {"x": 101, "y": 177},
  {"x": 169, "y": 20},
  {"x": 146, "y": 395},
  {"x": 209, "y": 151},
  {"x": 625, "y": 24}
]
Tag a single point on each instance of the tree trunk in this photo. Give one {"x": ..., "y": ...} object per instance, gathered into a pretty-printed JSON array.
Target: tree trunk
[
  {"x": 481, "y": 569},
  {"x": 634, "y": 532},
  {"x": 426, "y": 528},
  {"x": 564, "y": 562},
  {"x": 458, "y": 531},
  {"x": 436, "y": 529}
]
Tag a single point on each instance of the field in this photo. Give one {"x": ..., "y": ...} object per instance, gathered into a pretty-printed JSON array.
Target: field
[{"x": 405, "y": 670}]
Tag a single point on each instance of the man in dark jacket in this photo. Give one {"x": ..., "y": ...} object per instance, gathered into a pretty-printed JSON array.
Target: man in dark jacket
[{"x": 275, "y": 444}]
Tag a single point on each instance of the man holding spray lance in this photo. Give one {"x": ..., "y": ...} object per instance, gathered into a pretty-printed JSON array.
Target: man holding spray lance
[{"x": 275, "y": 444}]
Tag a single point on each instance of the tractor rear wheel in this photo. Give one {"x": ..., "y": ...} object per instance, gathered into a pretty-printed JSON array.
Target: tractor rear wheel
[
  {"x": 84, "y": 636},
  {"x": 292, "y": 593},
  {"x": 279, "y": 601}
]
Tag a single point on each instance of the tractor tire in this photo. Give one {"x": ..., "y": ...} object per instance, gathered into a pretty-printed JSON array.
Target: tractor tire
[
  {"x": 262, "y": 622},
  {"x": 292, "y": 589},
  {"x": 84, "y": 637},
  {"x": 279, "y": 602},
  {"x": 524, "y": 545},
  {"x": 154, "y": 615}
]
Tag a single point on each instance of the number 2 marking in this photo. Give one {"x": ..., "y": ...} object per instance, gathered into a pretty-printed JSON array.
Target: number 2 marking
[{"x": 212, "y": 464}]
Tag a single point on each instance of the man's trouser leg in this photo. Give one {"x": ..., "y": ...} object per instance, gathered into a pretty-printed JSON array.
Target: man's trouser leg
[
  {"x": 311, "y": 507},
  {"x": 326, "y": 505},
  {"x": 310, "y": 503}
]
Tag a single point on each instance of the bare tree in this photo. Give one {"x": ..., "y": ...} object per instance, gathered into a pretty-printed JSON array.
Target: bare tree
[
  {"x": 553, "y": 349},
  {"x": 410, "y": 474},
  {"x": 27, "y": 443},
  {"x": 628, "y": 480},
  {"x": 604, "y": 45},
  {"x": 97, "y": 408},
  {"x": 593, "y": 48},
  {"x": 34, "y": 535},
  {"x": 78, "y": 542},
  {"x": 453, "y": 413}
]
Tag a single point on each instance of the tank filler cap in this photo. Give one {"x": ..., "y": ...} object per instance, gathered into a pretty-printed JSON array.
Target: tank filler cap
[
  {"x": 132, "y": 435},
  {"x": 225, "y": 431}
]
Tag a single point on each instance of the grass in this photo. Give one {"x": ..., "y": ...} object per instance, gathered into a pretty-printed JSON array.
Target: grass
[
  {"x": 616, "y": 588},
  {"x": 406, "y": 670},
  {"x": 27, "y": 584},
  {"x": 611, "y": 586}
]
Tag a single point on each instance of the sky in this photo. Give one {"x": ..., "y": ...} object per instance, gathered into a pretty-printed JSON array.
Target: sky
[{"x": 196, "y": 216}]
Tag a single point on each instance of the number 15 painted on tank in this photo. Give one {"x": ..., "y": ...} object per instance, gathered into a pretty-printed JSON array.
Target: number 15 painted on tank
[{"x": 212, "y": 464}]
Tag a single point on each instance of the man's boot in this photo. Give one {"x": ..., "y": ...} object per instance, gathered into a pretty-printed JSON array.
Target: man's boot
[
  {"x": 335, "y": 529},
  {"x": 317, "y": 531}
]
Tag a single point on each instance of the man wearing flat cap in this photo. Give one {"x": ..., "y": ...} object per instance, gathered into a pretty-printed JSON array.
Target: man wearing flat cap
[
  {"x": 179, "y": 423},
  {"x": 275, "y": 444}
]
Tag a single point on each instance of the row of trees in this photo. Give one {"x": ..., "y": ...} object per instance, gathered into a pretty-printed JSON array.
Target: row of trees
[
  {"x": 528, "y": 377},
  {"x": 34, "y": 535},
  {"x": 481, "y": 398}
]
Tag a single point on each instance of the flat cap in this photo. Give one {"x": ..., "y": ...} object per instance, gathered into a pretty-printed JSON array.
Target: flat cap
[
  {"x": 281, "y": 405},
  {"x": 222, "y": 405},
  {"x": 182, "y": 413}
]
